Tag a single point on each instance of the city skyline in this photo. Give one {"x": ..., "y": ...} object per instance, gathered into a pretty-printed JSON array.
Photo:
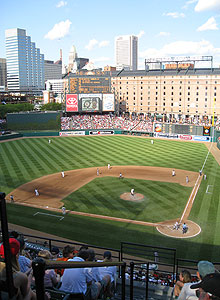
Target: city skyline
[{"x": 164, "y": 28}]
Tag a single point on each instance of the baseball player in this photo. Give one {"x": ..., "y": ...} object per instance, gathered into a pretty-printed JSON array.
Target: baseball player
[
  {"x": 12, "y": 198},
  {"x": 132, "y": 192},
  {"x": 64, "y": 210},
  {"x": 187, "y": 179},
  {"x": 152, "y": 142},
  {"x": 62, "y": 174},
  {"x": 109, "y": 166},
  {"x": 97, "y": 172},
  {"x": 173, "y": 173},
  {"x": 36, "y": 192},
  {"x": 120, "y": 175},
  {"x": 205, "y": 177},
  {"x": 49, "y": 141}
]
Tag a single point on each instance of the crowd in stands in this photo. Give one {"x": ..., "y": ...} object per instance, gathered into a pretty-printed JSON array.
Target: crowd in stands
[
  {"x": 96, "y": 281},
  {"x": 79, "y": 122},
  {"x": 88, "y": 281},
  {"x": 83, "y": 122}
]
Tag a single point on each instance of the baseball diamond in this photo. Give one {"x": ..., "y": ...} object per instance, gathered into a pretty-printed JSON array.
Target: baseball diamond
[{"x": 95, "y": 202}]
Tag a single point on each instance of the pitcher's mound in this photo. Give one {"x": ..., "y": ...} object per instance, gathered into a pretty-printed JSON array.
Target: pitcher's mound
[{"x": 136, "y": 197}]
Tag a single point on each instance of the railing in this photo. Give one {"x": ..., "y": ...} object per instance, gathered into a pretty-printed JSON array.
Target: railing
[
  {"x": 50, "y": 242},
  {"x": 40, "y": 265}
]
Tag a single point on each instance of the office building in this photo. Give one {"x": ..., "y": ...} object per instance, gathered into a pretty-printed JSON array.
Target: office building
[
  {"x": 3, "y": 74},
  {"x": 53, "y": 70},
  {"x": 126, "y": 52},
  {"x": 25, "y": 63}
]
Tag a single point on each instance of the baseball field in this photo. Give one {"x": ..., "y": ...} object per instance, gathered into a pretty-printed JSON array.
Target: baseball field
[{"x": 100, "y": 209}]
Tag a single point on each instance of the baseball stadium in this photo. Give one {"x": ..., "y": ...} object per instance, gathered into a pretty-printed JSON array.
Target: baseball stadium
[{"x": 85, "y": 162}]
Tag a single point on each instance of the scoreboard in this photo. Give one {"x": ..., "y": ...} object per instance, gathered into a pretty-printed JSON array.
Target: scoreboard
[
  {"x": 182, "y": 129},
  {"x": 90, "y": 85}
]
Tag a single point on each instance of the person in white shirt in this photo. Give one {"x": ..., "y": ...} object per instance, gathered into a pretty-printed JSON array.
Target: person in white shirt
[
  {"x": 204, "y": 268},
  {"x": 76, "y": 280}
]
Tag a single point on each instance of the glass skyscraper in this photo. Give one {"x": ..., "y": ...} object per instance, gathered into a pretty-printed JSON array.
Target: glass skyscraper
[{"x": 25, "y": 63}]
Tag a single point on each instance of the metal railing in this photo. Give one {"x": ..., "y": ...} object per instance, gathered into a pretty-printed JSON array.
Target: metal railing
[{"x": 39, "y": 266}]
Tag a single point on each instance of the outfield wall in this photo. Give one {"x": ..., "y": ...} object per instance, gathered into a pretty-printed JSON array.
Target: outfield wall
[{"x": 33, "y": 121}]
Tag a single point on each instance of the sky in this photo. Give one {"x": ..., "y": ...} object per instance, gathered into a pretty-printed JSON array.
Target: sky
[{"x": 166, "y": 28}]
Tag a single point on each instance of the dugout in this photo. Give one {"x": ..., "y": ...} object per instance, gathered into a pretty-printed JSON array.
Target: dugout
[{"x": 33, "y": 121}]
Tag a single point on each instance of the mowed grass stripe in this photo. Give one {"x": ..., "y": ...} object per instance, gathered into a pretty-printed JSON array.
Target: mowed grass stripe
[
  {"x": 155, "y": 206},
  {"x": 22, "y": 160},
  {"x": 17, "y": 173},
  {"x": 37, "y": 164},
  {"x": 52, "y": 159}
]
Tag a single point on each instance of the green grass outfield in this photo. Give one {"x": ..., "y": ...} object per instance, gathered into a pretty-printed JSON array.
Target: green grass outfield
[{"x": 26, "y": 159}]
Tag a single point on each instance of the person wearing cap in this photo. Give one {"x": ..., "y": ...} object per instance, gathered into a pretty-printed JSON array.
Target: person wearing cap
[
  {"x": 204, "y": 268},
  {"x": 22, "y": 282},
  {"x": 210, "y": 284},
  {"x": 55, "y": 251},
  {"x": 51, "y": 279}
]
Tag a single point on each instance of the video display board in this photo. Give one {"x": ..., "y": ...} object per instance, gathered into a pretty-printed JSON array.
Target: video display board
[
  {"x": 86, "y": 103},
  {"x": 90, "y": 102}
]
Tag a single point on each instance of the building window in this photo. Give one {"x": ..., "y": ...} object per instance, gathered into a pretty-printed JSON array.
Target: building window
[
  {"x": 205, "y": 99},
  {"x": 197, "y": 99},
  {"x": 189, "y": 93},
  {"x": 171, "y": 104},
  {"x": 180, "y": 94},
  {"x": 197, "y": 94},
  {"x": 164, "y": 93},
  {"x": 215, "y": 94},
  {"x": 172, "y": 93}
]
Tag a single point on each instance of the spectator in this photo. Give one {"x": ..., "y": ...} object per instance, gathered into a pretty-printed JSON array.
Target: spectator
[
  {"x": 209, "y": 287},
  {"x": 51, "y": 279},
  {"x": 184, "y": 277},
  {"x": 204, "y": 268},
  {"x": 55, "y": 251},
  {"x": 98, "y": 282},
  {"x": 68, "y": 253},
  {"x": 75, "y": 280},
  {"x": 22, "y": 282},
  {"x": 111, "y": 271},
  {"x": 25, "y": 262}
]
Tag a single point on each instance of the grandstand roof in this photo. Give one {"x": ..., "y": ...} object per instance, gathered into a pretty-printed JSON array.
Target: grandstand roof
[{"x": 167, "y": 72}]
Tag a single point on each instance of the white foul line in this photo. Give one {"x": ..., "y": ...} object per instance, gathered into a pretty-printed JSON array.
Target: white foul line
[
  {"x": 195, "y": 186},
  {"x": 40, "y": 213}
]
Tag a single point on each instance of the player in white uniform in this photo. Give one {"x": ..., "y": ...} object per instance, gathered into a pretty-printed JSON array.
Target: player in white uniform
[
  {"x": 64, "y": 210},
  {"x": 36, "y": 192},
  {"x": 109, "y": 166},
  {"x": 173, "y": 173},
  {"x": 62, "y": 174},
  {"x": 132, "y": 192},
  {"x": 187, "y": 179},
  {"x": 97, "y": 172}
]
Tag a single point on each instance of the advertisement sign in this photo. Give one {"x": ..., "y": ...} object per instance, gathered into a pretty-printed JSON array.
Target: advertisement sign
[
  {"x": 206, "y": 130},
  {"x": 200, "y": 138},
  {"x": 166, "y": 135},
  {"x": 69, "y": 133},
  {"x": 185, "y": 137},
  {"x": 90, "y": 102},
  {"x": 157, "y": 127},
  {"x": 101, "y": 132},
  {"x": 108, "y": 102},
  {"x": 71, "y": 102}
]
